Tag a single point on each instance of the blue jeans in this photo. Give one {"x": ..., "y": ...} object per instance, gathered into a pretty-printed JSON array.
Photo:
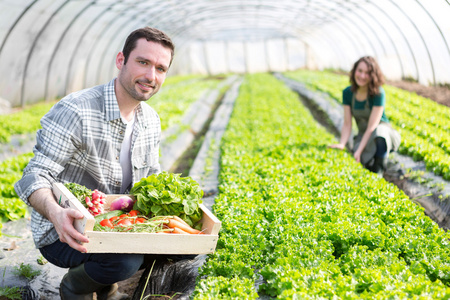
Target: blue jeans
[{"x": 104, "y": 268}]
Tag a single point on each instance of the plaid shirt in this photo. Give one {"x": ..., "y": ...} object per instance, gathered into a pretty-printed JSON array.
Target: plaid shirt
[{"x": 80, "y": 142}]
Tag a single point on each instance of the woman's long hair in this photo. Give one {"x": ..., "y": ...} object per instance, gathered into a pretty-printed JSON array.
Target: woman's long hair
[{"x": 376, "y": 76}]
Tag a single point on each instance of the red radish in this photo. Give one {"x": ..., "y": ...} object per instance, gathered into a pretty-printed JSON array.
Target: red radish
[
  {"x": 124, "y": 203},
  {"x": 95, "y": 202}
]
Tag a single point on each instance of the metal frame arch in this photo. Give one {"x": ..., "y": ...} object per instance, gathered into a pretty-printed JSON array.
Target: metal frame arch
[
  {"x": 259, "y": 5},
  {"x": 15, "y": 23},
  {"x": 373, "y": 32},
  {"x": 206, "y": 10},
  {"x": 44, "y": 27},
  {"x": 80, "y": 42},
  {"x": 421, "y": 37},
  {"x": 139, "y": 23},
  {"x": 418, "y": 50},
  {"x": 119, "y": 17},
  {"x": 437, "y": 26},
  {"x": 330, "y": 42},
  {"x": 115, "y": 35},
  {"x": 401, "y": 34},
  {"x": 296, "y": 36},
  {"x": 333, "y": 19},
  {"x": 88, "y": 61},
  {"x": 381, "y": 26},
  {"x": 182, "y": 31},
  {"x": 357, "y": 16},
  {"x": 120, "y": 14},
  {"x": 338, "y": 21},
  {"x": 58, "y": 44},
  {"x": 93, "y": 46}
]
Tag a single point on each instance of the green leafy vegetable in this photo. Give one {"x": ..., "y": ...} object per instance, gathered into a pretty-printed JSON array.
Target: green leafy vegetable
[{"x": 168, "y": 194}]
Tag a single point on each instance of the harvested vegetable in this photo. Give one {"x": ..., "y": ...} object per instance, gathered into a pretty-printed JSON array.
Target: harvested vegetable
[
  {"x": 175, "y": 224},
  {"x": 92, "y": 200},
  {"x": 108, "y": 215},
  {"x": 134, "y": 221},
  {"x": 131, "y": 223},
  {"x": 124, "y": 203},
  {"x": 106, "y": 223},
  {"x": 168, "y": 194}
]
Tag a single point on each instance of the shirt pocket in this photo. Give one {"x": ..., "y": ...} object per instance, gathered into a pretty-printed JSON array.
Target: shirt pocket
[{"x": 143, "y": 165}]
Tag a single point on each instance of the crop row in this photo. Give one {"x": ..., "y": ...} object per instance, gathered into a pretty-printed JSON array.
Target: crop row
[
  {"x": 302, "y": 221},
  {"x": 172, "y": 101},
  {"x": 423, "y": 124}
]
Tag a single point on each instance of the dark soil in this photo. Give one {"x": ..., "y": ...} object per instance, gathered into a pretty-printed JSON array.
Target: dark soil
[{"x": 439, "y": 94}]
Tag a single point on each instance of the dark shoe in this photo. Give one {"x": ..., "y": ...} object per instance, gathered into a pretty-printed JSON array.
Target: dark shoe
[
  {"x": 379, "y": 165},
  {"x": 77, "y": 285}
]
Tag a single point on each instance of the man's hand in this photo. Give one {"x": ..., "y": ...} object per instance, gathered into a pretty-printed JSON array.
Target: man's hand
[
  {"x": 44, "y": 202},
  {"x": 63, "y": 222}
]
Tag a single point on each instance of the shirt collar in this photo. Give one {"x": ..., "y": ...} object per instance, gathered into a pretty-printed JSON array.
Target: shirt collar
[
  {"x": 112, "y": 107},
  {"x": 112, "y": 111}
]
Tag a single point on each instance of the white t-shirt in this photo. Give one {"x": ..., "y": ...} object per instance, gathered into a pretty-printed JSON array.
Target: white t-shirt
[{"x": 125, "y": 155}]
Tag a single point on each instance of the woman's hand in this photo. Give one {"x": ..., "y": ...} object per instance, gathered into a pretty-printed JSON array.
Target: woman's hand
[
  {"x": 346, "y": 129},
  {"x": 357, "y": 155},
  {"x": 337, "y": 146}
]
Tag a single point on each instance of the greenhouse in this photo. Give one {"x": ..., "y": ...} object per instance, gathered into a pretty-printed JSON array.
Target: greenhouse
[{"x": 302, "y": 146}]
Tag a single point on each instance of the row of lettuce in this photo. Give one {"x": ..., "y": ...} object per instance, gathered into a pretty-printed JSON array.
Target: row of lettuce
[
  {"x": 423, "y": 124},
  {"x": 178, "y": 93},
  {"x": 303, "y": 221}
]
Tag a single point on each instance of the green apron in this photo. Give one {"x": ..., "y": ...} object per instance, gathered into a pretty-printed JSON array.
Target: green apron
[{"x": 384, "y": 130}]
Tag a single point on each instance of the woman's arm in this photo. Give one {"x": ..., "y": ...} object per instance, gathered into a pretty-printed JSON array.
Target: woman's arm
[
  {"x": 374, "y": 120},
  {"x": 346, "y": 129}
]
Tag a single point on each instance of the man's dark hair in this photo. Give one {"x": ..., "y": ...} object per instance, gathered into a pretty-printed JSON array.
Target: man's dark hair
[{"x": 150, "y": 34}]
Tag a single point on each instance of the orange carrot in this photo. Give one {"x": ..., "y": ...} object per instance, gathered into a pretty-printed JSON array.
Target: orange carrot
[
  {"x": 181, "y": 220},
  {"x": 186, "y": 228},
  {"x": 179, "y": 231}
]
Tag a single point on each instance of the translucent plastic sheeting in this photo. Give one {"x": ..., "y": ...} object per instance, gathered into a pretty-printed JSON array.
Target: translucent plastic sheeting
[{"x": 49, "y": 48}]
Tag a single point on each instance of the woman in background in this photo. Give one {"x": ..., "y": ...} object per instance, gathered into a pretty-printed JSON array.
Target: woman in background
[{"x": 365, "y": 101}]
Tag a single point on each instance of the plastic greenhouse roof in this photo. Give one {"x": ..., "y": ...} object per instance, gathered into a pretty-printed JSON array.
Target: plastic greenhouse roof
[{"x": 51, "y": 47}]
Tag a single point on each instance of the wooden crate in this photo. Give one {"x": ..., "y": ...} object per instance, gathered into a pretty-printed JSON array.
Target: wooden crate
[{"x": 130, "y": 242}]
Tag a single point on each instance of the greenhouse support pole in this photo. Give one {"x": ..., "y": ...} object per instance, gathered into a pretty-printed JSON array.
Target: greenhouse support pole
[
  {"x": 403, "y": 35},
  {"x": 402, "y": 70},
  {"x": 79, "y": 43},
  {"x": 423, "y": 40},
  {"x": 15, "y": 23},
  {"x": 437, "y": 26},
  {"x": 58, "y": 44},
  {"x": 30, "y": 53}
]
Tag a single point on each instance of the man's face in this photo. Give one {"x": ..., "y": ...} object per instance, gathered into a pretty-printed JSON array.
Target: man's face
[{"x": 145, "y": 70}]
